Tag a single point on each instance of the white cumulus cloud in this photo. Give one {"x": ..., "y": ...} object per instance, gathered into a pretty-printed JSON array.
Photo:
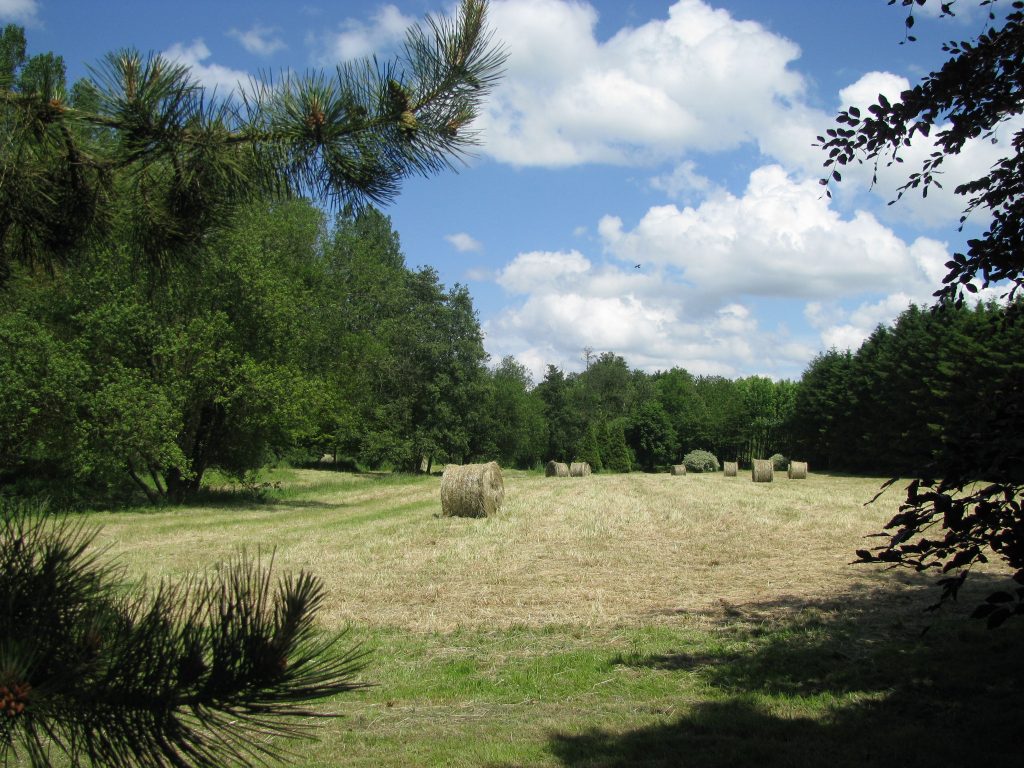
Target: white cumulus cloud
[
  {"x": 780, "y": 239},
  {"x": 568, "y": 303},
  {"x": 194, "y": 56},
  {"x": 259, "y": 40},
  {"x": 696, "y": 80},
  {"x": 355, "y": 39},
  {"x": 712, "y": 276},
  {"x": 20, "y": 11},
  {"x": 464, "y": 243}
]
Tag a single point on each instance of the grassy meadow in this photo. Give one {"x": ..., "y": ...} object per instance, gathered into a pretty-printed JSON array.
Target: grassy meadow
[{"x": 614, "y": 620}]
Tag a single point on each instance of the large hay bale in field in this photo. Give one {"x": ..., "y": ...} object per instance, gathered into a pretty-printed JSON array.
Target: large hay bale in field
[
  {"x": 579, "y": 469},
  {"x": 556, "y": 469},
  {"x": 763, "y": 472},
  {"x": 798, "y": 470},
  {"x": 678, "y": 469},
  {"x": 730, "y": 468},
  {"x": 471, "y": 490}
]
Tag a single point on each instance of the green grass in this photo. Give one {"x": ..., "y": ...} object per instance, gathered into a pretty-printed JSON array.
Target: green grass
[{"x": 616, "y": 621}]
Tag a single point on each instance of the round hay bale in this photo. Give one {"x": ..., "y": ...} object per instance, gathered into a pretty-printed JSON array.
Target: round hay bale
[
  {"x": 579, "y": 469},
  {"x": 798, "y": 470},
  {"x": 730, "y": 468},
  {"x": 471, "y": 490},
  {"x": 556, "y": 469},
  {"x": 678, "y": 469},
  {"x": 763, "y": 472}
]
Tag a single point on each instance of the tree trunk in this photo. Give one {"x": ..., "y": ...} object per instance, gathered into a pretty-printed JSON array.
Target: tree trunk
[{"x": 153, "y": 496}]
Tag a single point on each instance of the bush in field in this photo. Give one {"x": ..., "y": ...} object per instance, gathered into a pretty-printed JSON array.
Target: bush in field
[
  {"x": 701, "y": 461},
  {"x": 779, "y": 462}
]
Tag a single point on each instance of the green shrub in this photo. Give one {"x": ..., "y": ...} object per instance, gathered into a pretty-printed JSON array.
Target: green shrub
[
  {"x": 701, "y": 461},
  {"x": 779, "y": 462}
]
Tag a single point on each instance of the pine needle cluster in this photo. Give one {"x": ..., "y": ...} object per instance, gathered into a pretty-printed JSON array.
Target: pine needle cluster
[
  {"x": 142, "y": 140},
  {"x": 209, "y": 672}
]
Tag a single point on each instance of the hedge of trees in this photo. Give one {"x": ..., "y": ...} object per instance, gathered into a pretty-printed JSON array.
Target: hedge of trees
[
  {"x": 939, "y": 389},
  {"x": 291, "y": 336}
]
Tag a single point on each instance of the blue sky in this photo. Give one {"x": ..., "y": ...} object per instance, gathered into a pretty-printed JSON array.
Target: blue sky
[{"x": 676, "y": 136}]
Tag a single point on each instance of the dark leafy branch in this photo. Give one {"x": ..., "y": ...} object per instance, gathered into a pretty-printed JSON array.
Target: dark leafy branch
[
  {"x": 977, "y": 90},
  {"x": 942, "y": 529},
  {"x": 974, "y": 510}
]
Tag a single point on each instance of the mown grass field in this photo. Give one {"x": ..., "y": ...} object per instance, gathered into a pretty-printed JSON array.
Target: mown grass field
[{"x": 616, "y": 621}]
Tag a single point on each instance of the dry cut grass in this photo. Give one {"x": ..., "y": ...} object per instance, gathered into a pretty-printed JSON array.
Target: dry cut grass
[{"x": 598, "y": 551}]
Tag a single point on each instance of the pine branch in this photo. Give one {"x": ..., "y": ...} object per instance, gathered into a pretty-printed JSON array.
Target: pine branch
[
  {"x": 210, "y": 672},
  {"x": 148, "y": 137}
]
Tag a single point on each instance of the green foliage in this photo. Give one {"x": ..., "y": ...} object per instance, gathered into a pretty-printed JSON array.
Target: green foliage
[
  {"x": 824, "y": 404},
  {"x": 652, "y": 435},
  {"x": 553, "y": 393},
  {"x": 589, "y": 449},
  {"x": 180, "y": 675},
  {"x": 121, "y": 380},
  {"x": 959, "y": 369},
  {"x": 701, "y": 461},
  {"x": 403, "y": 358},
  {"x": 516, "y": 418},
  {"x": 41, "y": 381},
  {"x": 615, "y": 453},
  {"x": 779, "y": 462},
  {"x": 677, "y": 392}
]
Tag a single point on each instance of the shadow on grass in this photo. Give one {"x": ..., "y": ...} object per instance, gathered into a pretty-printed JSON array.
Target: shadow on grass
[{"x": 856, "y": 684}]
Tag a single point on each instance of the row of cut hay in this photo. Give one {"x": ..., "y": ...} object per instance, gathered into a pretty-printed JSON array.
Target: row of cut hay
[
  {"x": 472, "y": 490},
  {"x": 763, "y": 471},
  {"x": 556, "y": 469},
  {"x": 478, "y": 490}
]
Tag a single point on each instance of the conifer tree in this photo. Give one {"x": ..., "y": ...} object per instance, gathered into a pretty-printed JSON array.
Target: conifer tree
[{"x": 142, "y": 140}]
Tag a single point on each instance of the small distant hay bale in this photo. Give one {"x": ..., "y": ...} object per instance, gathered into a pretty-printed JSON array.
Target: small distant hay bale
[
  {"x": 556, "y": 469},
  {"x": 730, "y": 468},
  {"x": 798, "y": 470},
  {"x": 579, "y": 469},
  {"x": 471, "y": 490},
  {"x": 678, "y": 469},
  {"x": 763, "y": 472}
]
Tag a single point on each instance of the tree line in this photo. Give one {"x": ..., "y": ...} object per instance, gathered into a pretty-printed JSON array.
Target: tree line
[
  {"x": 939, "y": 390},
  {"x": 292, "y": 335}
]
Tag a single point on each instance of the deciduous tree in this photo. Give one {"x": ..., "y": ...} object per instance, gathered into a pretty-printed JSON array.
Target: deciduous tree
[{"x": 948, "y": 524}]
